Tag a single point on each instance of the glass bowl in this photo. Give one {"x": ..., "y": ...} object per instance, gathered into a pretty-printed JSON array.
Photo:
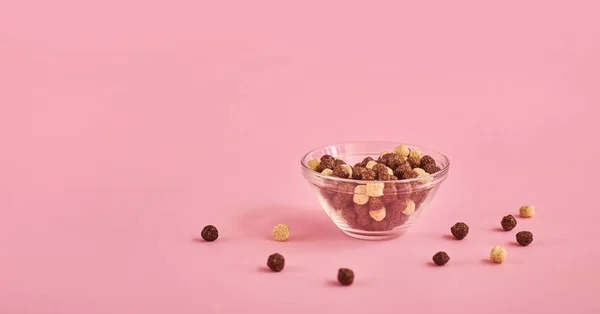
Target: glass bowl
[{"x": 361, "y": 213}]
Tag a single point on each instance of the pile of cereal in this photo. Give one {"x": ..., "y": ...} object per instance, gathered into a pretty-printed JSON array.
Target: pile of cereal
[
  {"x": 377, "y": 199},
  {"x": 403, "y": 163}
]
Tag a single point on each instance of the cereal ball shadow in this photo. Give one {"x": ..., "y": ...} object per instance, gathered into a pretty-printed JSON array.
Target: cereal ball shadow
[
  {"x": 307, "y": 225},
  {"x": 334, "y": 283}
]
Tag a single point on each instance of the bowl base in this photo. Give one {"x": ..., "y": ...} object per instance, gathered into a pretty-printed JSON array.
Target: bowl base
[{"x": 373, "y": 236}]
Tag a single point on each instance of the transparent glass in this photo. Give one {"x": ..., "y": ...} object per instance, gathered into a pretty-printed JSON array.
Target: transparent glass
[{"x": 382, "y": 215}]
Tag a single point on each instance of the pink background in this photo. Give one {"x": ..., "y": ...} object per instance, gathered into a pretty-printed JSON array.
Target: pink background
[{"x": 126, "y": 126}]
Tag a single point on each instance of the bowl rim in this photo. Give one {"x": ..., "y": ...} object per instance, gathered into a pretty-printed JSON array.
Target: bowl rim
[{"x": 438, "y": 175}]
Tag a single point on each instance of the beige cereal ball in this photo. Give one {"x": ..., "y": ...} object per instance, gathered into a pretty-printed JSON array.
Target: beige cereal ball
[
  {"x": 360, "y": 195},
  {"x": 498, "y": 254},
  {"x": 390, "y": 171},
  {"x": 415, "y": 153},
  {"x": 314, "y": 164},
  {"x": 421, "y": 174},
  {"x": 327, "y": 172},
  {"x": 375, "y": 189},
  {"x": 378, "y": 215},
  {"x": 281, "y": 232},
  {"x": 527, "y": 211},
  {"x": 371, "y": 164},
  {"x": 410, "y": 208},
  {"x": 402, "y": 150}
]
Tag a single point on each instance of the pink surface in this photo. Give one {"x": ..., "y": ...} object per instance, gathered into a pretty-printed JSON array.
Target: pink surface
[{"x": 126, "y": 126}]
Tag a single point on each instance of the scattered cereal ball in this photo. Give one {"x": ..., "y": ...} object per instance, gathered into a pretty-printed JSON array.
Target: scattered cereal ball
[
  {"x": 276, "y": 262},
  {"x": 345, "y": 276},
  {"x": 360, "y": 195},
  {"x": 508, "y": 223},
  {"x": 375, "y": 189},
  {"x": 366, "y": 161},
  {"x": 210, "y": 233},
  {"x": 441, "y": 258},
  {"x": 414, "y": 162},
  {"x": 327, "y": 172},
  {"x": 524, "y": 238},
  {"x": 460, "y": 230},
  {"x": 377, "y": 215},
  {"x": 498, "y": 254},
  {"x": 314, "y": 164},
  {"x": 431, "y": 168},
  {"x": 327, "y": 161},
  {"x": 425, "y": 160},
  {"x": 379, "y": 167},
  {"x": 281, "y": 232},
  {"x": 371, "y": 164},
  {"x": 341, "y": 172},
  {"x": 338, "y": 162},
  {"x": 389, "y": 171},
  {"x": 527, "y": 211},
  {"x": 410, "y": 208},
  {"x": 402, "y": 150},
  {"x": 415, "y": 153}
]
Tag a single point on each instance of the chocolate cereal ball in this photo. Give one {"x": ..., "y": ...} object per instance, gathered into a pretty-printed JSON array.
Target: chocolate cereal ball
[
  {"x": 369, "y": 175},
  {"x": 341, "y": 171},
  {"x": 508, "y": 223},
  {"x": 384, "y": 176},
  {"x": 276, "y": 262},
  {"x": 384, "y": 159},
  {"x": 413, "y": 161},
  {"x": 524, "y": 238},
  {"x": 431, "y": 168},
  {"x": 380, "y": 168},
  {"x": 394, "y": 161},
  {"x": 441, "y": 258},
  {"x": 327, "y": 162},
  {"x": 425, "y": 160},
  {"x": 338, "y": 162},
  {"x": 357, "y": 173},
  {"x": 345, "y": 276},
  {"x": 210, "y": 233},
  {"x": 460, "y": 230},
  {"x": 400, "y": 169}
]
